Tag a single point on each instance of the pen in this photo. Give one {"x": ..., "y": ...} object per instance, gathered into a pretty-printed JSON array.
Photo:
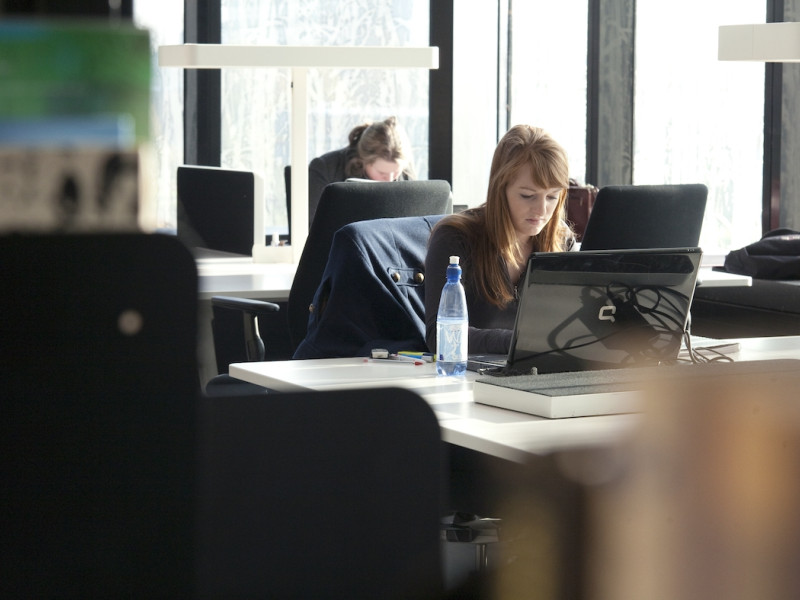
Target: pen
[
  {"x": 426, "y": 356},
  {"x": 394, "y": 359},
  {"x": 405, "y": 357}
]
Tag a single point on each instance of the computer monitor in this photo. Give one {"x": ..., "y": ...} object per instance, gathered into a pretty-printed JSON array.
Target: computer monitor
[{"x": 220, "y": 209}]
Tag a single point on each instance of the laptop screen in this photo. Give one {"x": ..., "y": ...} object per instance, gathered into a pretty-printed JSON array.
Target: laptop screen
[
  {"x": 646, "y": 216},
  {"x": 216, "y": 209},
  {"x": 603, "y": 309}
]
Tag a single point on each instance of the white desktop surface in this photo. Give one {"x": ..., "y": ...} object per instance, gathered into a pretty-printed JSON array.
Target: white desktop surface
[
  {"x": 498, "y": 432},
  {"x": 503, "y": 433},
  {"x": 242, "y": 277},
  {"x": 706, "y": 277}
]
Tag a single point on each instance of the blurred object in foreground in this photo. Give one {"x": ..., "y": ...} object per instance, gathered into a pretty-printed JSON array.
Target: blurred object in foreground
[
  {"x": 74, "y": 123},
  {"x": 699, "y": 500},
  {"x": 707, "y": 504}
]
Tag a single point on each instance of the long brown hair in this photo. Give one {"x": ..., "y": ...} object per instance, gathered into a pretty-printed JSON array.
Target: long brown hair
[{"x": 489, "y": 228}]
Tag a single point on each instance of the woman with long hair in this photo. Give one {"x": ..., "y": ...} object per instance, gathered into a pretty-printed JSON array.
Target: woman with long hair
[
  {"x": 524, "y": 212},
  {"x": 376, "y": 150}
]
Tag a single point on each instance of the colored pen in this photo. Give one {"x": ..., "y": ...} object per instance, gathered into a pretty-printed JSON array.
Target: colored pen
[
  {"x": 395, "y": 360},
  {"x": 404, "y": 357},
  {"x": 426, "y": 356}
]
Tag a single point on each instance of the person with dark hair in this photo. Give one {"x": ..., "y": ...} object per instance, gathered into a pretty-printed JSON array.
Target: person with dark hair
[
  {"x": 376, "y": 150},
  {"x": 524, "y": 212}
]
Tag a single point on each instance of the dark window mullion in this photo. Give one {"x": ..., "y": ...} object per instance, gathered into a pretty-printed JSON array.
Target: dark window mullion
[
  {"x": 592, "y": 92},
  {"x": 440, "y": 104},
  {"x": 202, "y": 138},
  {"x": 773, "y": 99}
]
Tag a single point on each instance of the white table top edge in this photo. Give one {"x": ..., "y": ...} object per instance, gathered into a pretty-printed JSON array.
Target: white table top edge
[{"x": 502, "y": 433}]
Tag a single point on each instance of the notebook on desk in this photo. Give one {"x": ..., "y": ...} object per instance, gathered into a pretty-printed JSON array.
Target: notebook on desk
[{"x": 594, "y": 310}]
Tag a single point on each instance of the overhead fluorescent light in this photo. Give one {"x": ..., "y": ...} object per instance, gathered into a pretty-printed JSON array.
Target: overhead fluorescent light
[
  {"x": 214, "y": 56},
  {"x": 765, "y": 42}
]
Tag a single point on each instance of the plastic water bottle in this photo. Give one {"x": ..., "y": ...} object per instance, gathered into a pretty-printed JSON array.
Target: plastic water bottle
[{"x": 451, "y": 324}]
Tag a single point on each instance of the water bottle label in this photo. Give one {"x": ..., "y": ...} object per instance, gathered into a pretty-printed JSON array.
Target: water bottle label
[{"x": 451, "y": 339}]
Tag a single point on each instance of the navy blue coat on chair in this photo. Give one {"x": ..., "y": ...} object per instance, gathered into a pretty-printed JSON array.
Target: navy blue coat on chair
[{"x": 372, "y": 290}]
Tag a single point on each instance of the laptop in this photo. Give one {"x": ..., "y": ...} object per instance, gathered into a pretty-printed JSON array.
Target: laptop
[
  {"x": 606, "y": 309},
  {"x": 220, "y": 209},
  {"x": 646, "y": 216}
]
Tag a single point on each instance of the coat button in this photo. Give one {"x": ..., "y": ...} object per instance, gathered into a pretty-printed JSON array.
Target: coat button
[
  {"x": 419, "y": 277},
  {"x": 396, "y": 277}
]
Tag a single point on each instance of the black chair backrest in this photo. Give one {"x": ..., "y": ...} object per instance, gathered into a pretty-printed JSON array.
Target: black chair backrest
[
  {"x": 320, "y": 495},
  {"x": 347, "y": 202},
  {"x": 98, "y": 415},
  {"x": 372, "y": 293},
  {"x": 646, "y": 216}
]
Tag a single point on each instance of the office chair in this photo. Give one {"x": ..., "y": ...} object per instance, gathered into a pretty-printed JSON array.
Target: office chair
[
  {"x": 237, "y": 338},
  {"x": 98, "y": 415},
  {"x": 319, "y": 495},
  {"x": 646, "y": 216},
  {"x": 371, "y": 294},
  {"x": 347, "y": 202}
]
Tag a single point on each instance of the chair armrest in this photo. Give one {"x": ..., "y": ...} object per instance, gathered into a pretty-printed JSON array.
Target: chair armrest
[
  {"x": 247, "y": 305},
  {"x": 250, "y": 310}
]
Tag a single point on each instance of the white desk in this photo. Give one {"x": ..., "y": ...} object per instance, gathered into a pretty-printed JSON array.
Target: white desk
[
  {"x": 707, "y": 278},
  {"x": 501, "y": 433},
  {"x": 241, "y": 277}
]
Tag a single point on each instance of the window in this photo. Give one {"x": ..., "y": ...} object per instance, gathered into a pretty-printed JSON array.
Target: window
[
  {"x": 164, "y": 20},
  {"x": 699, "y": 120},
  {"x": 548, "y": 73},
  {"x": 516, "y": 62},
  {"x": 256, "y": 102}
]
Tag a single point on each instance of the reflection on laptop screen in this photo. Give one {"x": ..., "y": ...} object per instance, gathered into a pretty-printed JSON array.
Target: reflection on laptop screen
[{"x": 603, "y": 309}]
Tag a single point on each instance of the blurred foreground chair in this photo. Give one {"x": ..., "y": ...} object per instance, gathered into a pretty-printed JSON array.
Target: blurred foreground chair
[
  {"x": 98, "y": 415},
  {"x": 320, "y": 495},
  {"x": 347, "y": 202}
]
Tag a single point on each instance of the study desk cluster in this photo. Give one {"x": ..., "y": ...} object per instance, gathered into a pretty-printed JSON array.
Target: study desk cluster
[
  {"x": 224, "y": 274},
  {"x": 500, "y": 433}
]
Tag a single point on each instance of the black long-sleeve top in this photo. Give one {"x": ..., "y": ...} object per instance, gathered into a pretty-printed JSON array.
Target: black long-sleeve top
[{"x": 490, "y": 327}]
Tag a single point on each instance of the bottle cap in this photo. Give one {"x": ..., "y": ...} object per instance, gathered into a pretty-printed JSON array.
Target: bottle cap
[{"x": 454, "y": 260}]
